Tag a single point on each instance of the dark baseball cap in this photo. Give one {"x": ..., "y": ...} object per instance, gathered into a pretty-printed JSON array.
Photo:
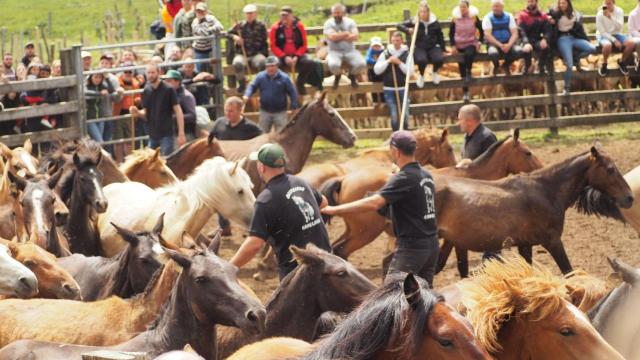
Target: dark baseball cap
[
  {"x": 404, "y": 141},
  {"x": 286, "y": 9},
  {"x": 272, "y": 60},
  {"x": 272, "y": 155},
  {"x": 173, "y": 74}
]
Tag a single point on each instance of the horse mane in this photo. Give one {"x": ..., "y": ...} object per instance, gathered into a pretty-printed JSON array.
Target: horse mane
[
  {"x": 488, "y": 154},
  {"x": 595, "y": 202},
  {"x": 556, "y": 166},
  {"x": 379, "y": 321},
  {"x": 119, "y": 284},
  {"x": 136, "y": 158},
  {"x": 182, "y": 149},
  {"x": 593, "y": 288},
  {"x": 155, "y": 278},
  {"x": 507, "y": 288},
  {"x": 296, "y": 115}
]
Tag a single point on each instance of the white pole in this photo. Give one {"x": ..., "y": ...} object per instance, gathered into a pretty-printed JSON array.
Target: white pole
[{"x": 409, "y": 69}]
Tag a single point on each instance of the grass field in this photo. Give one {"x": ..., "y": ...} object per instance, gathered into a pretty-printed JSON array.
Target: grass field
[{"x": 72, "y": 17}]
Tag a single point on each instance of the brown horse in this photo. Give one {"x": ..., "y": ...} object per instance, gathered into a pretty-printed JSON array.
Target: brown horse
[
  {"x": 433, "y": 148},
  {"x": 402, "y": 320},
  {"x": 323, "y": 282},
  {"x": 508, "y": 156},
  {"x": 206, "y": 293},
  {"x": 11, "y": 219},
  {"x": 54, "y": 282},
  {"x": 521, "y": 311},
  {"x": 148, "y": 167},
  {"x": 20, "y": 159},
  {"x": 123, "y": 275},
  {"x": 186, "y": 159}
]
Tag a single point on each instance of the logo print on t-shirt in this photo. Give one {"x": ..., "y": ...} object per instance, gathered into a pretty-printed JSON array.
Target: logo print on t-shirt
[
  {"x": 305, "y": 208},
  {"x": 430, "y": 211}
]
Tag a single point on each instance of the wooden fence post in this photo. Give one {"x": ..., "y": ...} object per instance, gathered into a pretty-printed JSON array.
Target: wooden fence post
[
  {"x": 71, "y": 62},
  {"x": 218, "y": 89},
  {"x": 4, "y": 39},
  {"x": 552, "y": 108}
]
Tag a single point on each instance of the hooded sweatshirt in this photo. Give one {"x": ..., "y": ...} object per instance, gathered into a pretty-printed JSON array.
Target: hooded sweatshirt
[
  {"x": 382, "y": 67},
  {"x": 465, "y": 31},
  {"x": 429, "y": 32},
  {"x": 607, "y": 27}
]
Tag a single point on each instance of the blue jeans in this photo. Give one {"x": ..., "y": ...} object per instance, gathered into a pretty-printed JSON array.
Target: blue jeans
[
  {"x": 566, "y": 46},
  {"x": 107, "y": 135},
  {"x": 164, "y": 143},
  {"x": 141, "y": 130},
  {"x": 202, "y": 55},
  {"x": 95, "y": 131},
  {"x": 390, "y": 99}
]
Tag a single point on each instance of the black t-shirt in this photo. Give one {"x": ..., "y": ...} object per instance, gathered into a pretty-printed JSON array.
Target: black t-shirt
[
  {"x": 244, "y": 130},
  {"x": 159, "y": 103},
  {"x": 411, "y": 196},
  {"x": 287, "y": 213}
]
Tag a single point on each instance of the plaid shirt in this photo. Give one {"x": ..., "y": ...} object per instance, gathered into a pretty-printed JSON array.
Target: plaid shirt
[{"x": 254, "y": 35}]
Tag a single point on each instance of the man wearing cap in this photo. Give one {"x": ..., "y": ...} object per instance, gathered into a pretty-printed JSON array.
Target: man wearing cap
[
  {"x": 204, "y": 24},
  {"x": 86, "y": 60},
  {"x": 7, "y": 67},
  {"x": 288, "y": 39},
  {"x": 187, "y": 102},
  {"x": 29, "y": 54},
  {"x": 410, "y": 195},
  {"x": 287, "y": 212},
  {"x": 180, "y": 19},
  {"x": 342, "y": 33},
  {"x": 250, "y": 37},
  {"x": 159, "y": 102},
  {"x": 373, "y": 53},
  {"x": 274, "y": 86}
]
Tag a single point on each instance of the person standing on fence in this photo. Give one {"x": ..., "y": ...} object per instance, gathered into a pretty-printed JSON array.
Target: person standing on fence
[
  {"x": 187, "y": 102},
  {"x": 275, "y": 87},
  {"x": 160, "y": 103},
  {"x": 180, "y": 22},
  {"x": 373, "y": 53},
  {"x": 501, "y": 33},
  {"x": 122, "y": 128},
  {"x": 232, "y": 126},
  {"x": 410, "y": 193},
  {"x": 342, "y": 33},
  {"x": 609, "y": 27},
  {"x": 634, "y": 31},
  {"x": 429, "y": 45},
  {"x": 204, "y": 24},
  {"x": 251, "y": 49},
  {"x": 569, "y": 38},
  {"x": 29, "y": 54},
  {"x": 115, "y": 96},
  {"x": 535, "y": 30},
  {"x": 394, "y": 67},
  {"x": 7, "y": 67},
  {"x": 288, "y": 40},
  {"x": 465, "y": 36}
]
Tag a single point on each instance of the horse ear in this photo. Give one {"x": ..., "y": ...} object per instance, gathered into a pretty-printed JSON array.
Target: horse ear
[
  {"x": 516, "y": 134},
  {"x": 322, "y": 97},
  {"x": 127, "y": 235},
  {"x": 629, "y": 274},
  {"x": 13, "y": 248},
  {"x": 411, "y": 288},
  {"x": 211, "y": 138},
  {"x": 179, "y": 258},
  {"x": 515, "y": 293},
  {"x": 235, "y": 167},
  {"x": 214, "y": 245},
  {"x": 20, "y": 182},
  {"x": 53, "y": 180},
  {"x": 444, "y": 136},
  {"x": 27, "y": 146},
  {"x": 156, "y": 154},
  {"x": 305, "y": 256},
  {"x": 76, "y": 160},
  {"x": 5, "y": 151},
  {"x": 165, "y": 244},
  {"x": 157, "y": 228},
  {"x": 594, "y": 152}
]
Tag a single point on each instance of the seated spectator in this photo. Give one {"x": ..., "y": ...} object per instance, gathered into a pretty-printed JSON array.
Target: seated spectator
[
  {"x": 342, "y": 33},
  {"x": 465, "y": 36},
  {"x": 8, "y": 101},
  {"x": 394, "y": 77},
  {"x": 29, "y": 54},
  {"x": 634, "y": 31},
  {"x": 181, "y": 22},
  {"x": 175, "y": 55},
  {"x": 194, "y": 81},
  {"x": 535, "y": 31},
  {"x": 501, "y": 33},
  {"x": 250, "y": 38},
  {"x": 288, "y": 40},
  {"x": 569, "y": 38},
  {"x": 609, "y": 26},
  {"x": 275, "y": 87},
  {"x": 187, "y": 103},
  {"x": 204, "y": 24},
  {"x": 115, "y": 96},
  {"x": 56, "y": 68},
  {"x": 7, "y": 67},
  {"x": 373, "y": 53},
  {"x": 122, "y": 128},
  {"x": 429, "y": 43}
]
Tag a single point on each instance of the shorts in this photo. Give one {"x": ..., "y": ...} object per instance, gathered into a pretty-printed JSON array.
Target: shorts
[{"x": 602, "y": 41}]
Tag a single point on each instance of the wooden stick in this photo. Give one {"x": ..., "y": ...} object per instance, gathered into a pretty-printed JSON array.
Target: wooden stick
[
  {"x": 132, "y": 125},
  {"x": 396, "y": 91},
  {"x": 409, "y": 69}
]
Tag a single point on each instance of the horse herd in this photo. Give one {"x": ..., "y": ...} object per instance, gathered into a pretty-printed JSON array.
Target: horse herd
[{"x": 101, "y": 256}]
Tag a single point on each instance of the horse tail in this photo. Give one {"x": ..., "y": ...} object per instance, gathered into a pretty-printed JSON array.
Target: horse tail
[
  {"x": 594, "y": 202},
  {"x": 331, "y": 189}
]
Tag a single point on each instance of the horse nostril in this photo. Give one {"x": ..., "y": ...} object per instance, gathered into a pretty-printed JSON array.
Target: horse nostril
[
  {"x": 251, "y": 316},
  {"x": 29, "y": 283}
]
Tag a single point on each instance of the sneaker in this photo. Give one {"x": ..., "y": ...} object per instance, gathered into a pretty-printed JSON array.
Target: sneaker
[
  {"x": 602, "y": 71},
  {"x": 623, "y": 68},
  {"x": 336, "y": 81},
  {"x": 466, "y": 98},
  {"x": 420, "y": 81},
  {"x": 436, "y": 78},
  {"x": 45, "y": 122},
  {"x": 565, "y": 92},
  {"x": 354, "y": 81}
]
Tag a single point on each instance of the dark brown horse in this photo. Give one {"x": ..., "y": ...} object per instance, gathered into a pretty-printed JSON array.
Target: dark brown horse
[
  {"x": 402, "y": 320},
  {"x": 323, "y": 282},
  {"x": 83, "y": 189},
  {"x": 123, "y": 275},
  {"x": 207, "y": 293},
  {"x": 37, "y": 202}
]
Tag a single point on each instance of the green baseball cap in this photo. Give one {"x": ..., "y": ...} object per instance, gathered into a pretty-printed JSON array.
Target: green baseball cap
[
  {"x": 173, "y": 74},
  {"x": 271, "y": 155}
]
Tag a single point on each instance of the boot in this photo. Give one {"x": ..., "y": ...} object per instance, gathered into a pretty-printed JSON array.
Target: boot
[
  {"x": 354, "y": 82},
  {"x": 336, "y": 81}
]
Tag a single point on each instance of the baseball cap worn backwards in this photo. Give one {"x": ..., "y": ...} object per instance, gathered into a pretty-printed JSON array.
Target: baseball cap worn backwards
[
  {"x": 403, "y": 140},
  {"x": 272, "y": 155}
]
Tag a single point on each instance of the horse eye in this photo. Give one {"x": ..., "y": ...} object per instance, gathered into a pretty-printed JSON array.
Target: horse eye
[
  {"x": 567, "y": 332},
  {"x": 30, "y": 264},
  {"x": 445, "y": 343},
  {"x": 610, "y": 170},
  {"x": 528, "y": 153},
  {"x": 201, "y": 280},
  {"x": 341, "y": 273}
]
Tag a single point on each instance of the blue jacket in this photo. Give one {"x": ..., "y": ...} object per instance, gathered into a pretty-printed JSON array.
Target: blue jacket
[
  {"x": 372, "y": 55},
  {"x": 273, "y": 91}
]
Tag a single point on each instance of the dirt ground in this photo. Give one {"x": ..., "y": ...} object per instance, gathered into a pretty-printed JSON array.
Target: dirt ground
[{"x": 587, "y": 239}]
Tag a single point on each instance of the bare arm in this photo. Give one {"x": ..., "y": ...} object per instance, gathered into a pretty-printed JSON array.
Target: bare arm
[
  {"x": 179, "y": 119},
  {"x": 370, "y": 203},
  {"x": 514, "y": 37},
  {"x": 490, "y": 39},
  {"x": 247, "y": 251}
]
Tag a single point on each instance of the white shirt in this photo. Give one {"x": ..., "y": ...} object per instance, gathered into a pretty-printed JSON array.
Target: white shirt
[
  {"x": 607, "y": 27},
  {"x": 331, "y": 27}
]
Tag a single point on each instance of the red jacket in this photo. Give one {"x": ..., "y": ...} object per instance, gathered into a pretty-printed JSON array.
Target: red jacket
[
  {"x": 173, "y": 7},
  {"x": 277, "y": 39}
]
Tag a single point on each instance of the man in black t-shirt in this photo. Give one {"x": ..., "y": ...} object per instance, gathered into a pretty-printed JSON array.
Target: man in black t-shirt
[
  {"x": 160, "y": 102},
  {"x": 411, "y": 196},
  {"x": 287, "y": 212}
]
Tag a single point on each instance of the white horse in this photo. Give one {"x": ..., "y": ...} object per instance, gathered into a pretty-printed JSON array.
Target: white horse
[
  {"x": 632, "y": 215},
  {"x": 16, "y": 280},
  {"x": 215, "y": 186}
]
